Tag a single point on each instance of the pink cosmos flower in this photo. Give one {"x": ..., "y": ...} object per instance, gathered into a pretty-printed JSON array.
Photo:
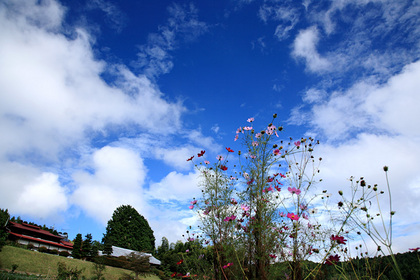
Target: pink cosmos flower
[
  {"x": 191, "y": 207},
  {"x": 245, "y": 207},
  {"x": 294, "y": 190},
  {"x": 229, "y": 218},
  {"x": 227, "y": 265},
  {"x": 207, "y": 162},
  {"x": 415, "y": 249},
  {"x": 220, "y": 158},
  {"x": 233, "y": 201},
  {"x": 305, "y": 216},
  {"x": 247, "y": 128},
  {"x": 332, "y": 260},
  {"x": 297, "y": 143},
  {"x": 282, "y": 214},
  {"x": 276, "y": 152},
  {"x": 250, "y": 120},
  {"x": 339, "y": 239},
  {"x": 236, "y": 137},
  {"x": 254, "y": 143},
  {"x": 292, "y": 216}
]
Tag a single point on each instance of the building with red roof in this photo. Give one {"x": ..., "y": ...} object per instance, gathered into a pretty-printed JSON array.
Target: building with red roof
[{"x": 26, "y": 234}]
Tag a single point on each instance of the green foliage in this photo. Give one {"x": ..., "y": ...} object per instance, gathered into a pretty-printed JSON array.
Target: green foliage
[
  {"x": 4, "y": 217},
  {"x": 89, "y": 251},
  {"x": 42, "y": 249},
  {"x": 128, "y": 229},
  {"x": 139, "y": 264},
  {"x": 98, "y": 269},
  {"x": 77, "y": 247},
  {"x": 64, "y": 254},
  {"x": 68, "y": 273}
]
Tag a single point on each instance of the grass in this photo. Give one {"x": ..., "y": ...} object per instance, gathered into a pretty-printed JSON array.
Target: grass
[{"x": 45, "y": 264}]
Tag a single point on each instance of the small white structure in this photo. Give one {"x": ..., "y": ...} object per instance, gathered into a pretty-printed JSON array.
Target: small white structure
[{"x": 118, "y": 251}]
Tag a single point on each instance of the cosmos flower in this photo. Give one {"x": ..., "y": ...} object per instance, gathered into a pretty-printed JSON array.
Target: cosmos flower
[
  {"x": 292, "y": 216},
  {"x": 294, "y": 190}
]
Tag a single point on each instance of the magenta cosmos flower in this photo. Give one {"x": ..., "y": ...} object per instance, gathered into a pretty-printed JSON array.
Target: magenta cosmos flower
[
  {"x": 292, "y": 216},
  {"x": 294, "y": 190}
]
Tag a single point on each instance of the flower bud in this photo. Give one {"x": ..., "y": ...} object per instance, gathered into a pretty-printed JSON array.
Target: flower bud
[
  {"x": 340, "y": 192},
  {"x": 385, "y": 168},
  {"x": 275, "y": 116}
]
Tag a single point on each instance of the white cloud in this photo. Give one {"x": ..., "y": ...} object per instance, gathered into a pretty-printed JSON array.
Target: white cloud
[
  {"x": 117, "y": 179},
  {"x": 154, "y": 57},
  {"x": 367, "y": 127},
  {"x": 286, "y": 14},
  {"x": 388, "y": 108},
  {"x": 304, "y": 47},
  {"x": 176, "y": 186},
  {"x": 176, "y": 156},
  {"x": 52, "y": 91},
  {"x": 42, "y": 198}
]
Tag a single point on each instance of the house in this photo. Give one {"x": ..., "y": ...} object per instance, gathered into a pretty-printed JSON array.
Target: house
[
  {"x": 118, "y": 251},
  {"x": 29, "y": 234}
]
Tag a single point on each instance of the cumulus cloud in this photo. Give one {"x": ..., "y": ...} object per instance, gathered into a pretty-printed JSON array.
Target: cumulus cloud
[
  {"x": 117, "y": 178},
  {"x": 55, "y": 102},
  {"x": 367, "y": 127},
  {"x": 43, "y": 198},
  {"x": 175, "y": 186},
  {"x": 388, "y": 108}
]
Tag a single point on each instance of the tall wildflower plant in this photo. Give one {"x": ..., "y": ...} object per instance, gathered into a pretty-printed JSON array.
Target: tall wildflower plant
[{"x": 266, "y": 209}]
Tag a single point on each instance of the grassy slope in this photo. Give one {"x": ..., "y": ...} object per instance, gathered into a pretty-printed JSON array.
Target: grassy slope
[{"x": 46, "y": 264}]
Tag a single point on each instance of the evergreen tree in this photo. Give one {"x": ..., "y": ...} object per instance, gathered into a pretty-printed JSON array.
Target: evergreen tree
[
  {"x": 87, "y": 246},
  {"x": 164, "y": 247},
  {"x": 107, "y": 246},
  {"x": 128, "y": 229},
  {"x": 77, "y": 247},
  {"x": 4, "y": 218}
]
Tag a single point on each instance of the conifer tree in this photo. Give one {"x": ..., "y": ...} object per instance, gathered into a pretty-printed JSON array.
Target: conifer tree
[
  {"x": 77, "y": 247},
  {"x": 128, "y": 229}
]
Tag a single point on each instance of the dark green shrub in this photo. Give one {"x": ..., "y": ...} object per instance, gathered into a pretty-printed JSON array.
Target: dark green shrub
[
  {"x": 64, "y": 254},
  {"x": 53, "y": 252},
  {"x": 65, "y": 272},
  {"x": 30, "y": 246},
  {"x": 42, "y": 249}
]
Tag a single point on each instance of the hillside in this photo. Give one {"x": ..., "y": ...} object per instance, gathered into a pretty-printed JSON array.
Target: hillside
[{"x": 46, "y": 264}]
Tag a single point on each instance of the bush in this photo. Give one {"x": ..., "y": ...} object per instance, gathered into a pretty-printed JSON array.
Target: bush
[
  {"x": 65, "y": 272},
  {"x": 42, "y": 249},
  {"x": 53, "y": 252},
  {"x": 64, "y": 254},
  {"x": 30, "y": 246},
  {"x": 120, "y": 262}
]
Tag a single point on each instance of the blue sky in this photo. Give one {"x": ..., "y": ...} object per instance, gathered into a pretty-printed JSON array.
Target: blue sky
[{"x": 103, "y": 101}]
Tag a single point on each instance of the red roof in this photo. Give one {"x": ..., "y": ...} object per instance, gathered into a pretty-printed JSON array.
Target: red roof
[
  {"x": 34, "y": 229},
  {"x": 62, "y": 244}
]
